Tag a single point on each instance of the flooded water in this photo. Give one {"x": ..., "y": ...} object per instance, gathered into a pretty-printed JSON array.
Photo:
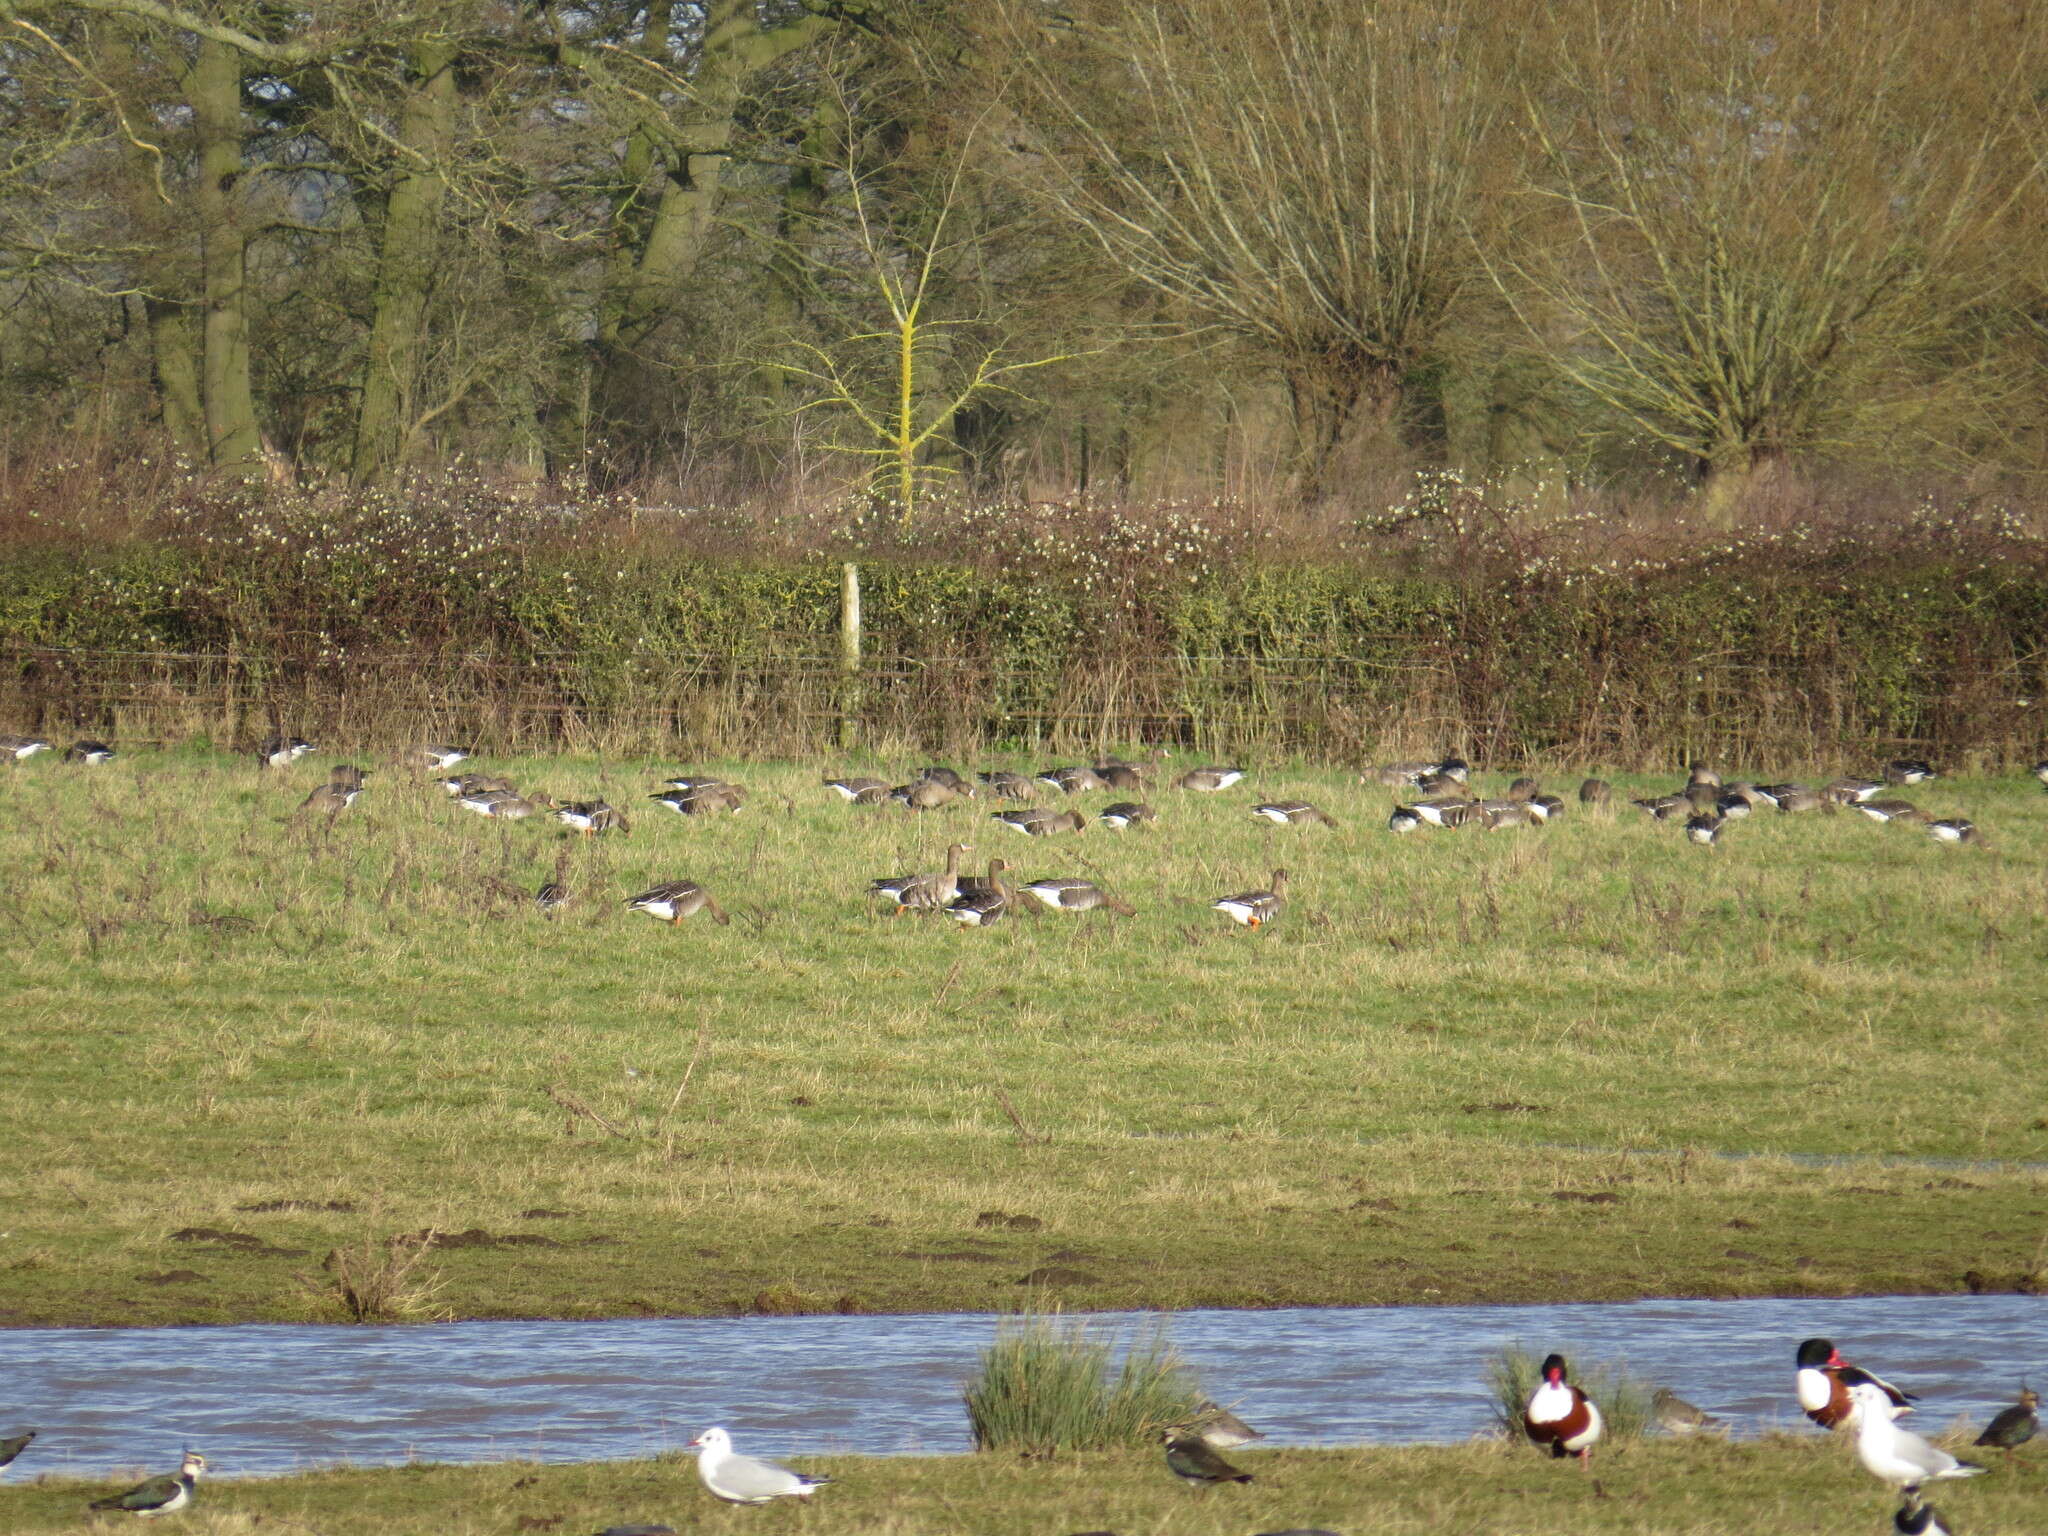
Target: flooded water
[{"x": 264, "y": 1399}]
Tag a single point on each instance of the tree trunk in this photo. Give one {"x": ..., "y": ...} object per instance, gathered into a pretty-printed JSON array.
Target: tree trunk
[
  {"x": 174, "y": 364},
  {"x": 213, "y": 89},
  {"x": 405, "y": 262},
  {"x": 1729, "y": 478}
]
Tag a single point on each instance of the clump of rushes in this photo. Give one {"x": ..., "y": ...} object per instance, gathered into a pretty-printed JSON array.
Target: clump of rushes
[
  {"x": 373, "y": 1282},
  {"x": 1049, "y": 1385},
  {"x": 1624, "y": 1402}
]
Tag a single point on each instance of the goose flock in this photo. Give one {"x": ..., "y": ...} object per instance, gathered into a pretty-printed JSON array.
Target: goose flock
[{"x": 1557, "y": 1416}]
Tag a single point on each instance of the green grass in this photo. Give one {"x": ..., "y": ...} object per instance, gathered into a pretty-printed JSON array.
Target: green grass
[
  {"x": 1049, "y": 1386},
  {"x": 1806, "y": 1485},
  {"x": 1462, "y": 1067}
]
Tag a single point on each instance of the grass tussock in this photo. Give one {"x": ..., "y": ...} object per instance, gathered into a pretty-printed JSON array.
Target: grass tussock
[
  {"x": 372, "y": 1282},
  {"x": 1515, "y": 1372},
  {"x": 1051, "y": 1386}
]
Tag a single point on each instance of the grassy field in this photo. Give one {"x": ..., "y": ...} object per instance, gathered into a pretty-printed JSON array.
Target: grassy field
[
  {"x": 1790, "y": 1485},
  {"x": 1462, "y": 1067}
]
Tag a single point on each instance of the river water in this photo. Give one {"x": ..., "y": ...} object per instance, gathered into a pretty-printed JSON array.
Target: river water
[{"x": 267, "y": 1399}]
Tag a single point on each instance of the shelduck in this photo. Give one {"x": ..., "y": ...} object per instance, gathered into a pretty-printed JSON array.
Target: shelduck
[{"x": 1560, "y": 1416}]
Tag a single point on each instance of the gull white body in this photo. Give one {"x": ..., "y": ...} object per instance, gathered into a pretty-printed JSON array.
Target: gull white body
[
  {"x": 741, "y": 1479},
  {"x": 1895, "y": 1455}
]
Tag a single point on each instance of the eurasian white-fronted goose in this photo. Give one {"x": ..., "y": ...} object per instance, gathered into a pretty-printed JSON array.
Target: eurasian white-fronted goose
[
  {"x": 1208, "y": 780},
  {"x": 1851, "y": 791},
  {"x": 1115, "y": 773},
  {"x": 1006, "y": 784},
  {"x": 1072, "y": 781},
  {"x": 1700, "y": 772},
  {"x": 675, "y": 900},
  {"x": 91, "y": 753},
  {"x": 435, "y": 758},
  {"x": 978, "y": 909},
  {"x": 277, "y": 752},
  {"x": 939, "y": 774},
  {"x": 1891, "y": 810},
  {"x": 1125, "y": 813},
  {"x": 706, "y": 800},
  {"x": 1525, "y": 789},
  {"x": 1063, "y": 894},
  {"x": 1254, "y": 909},
  {"x": 1444, "y": 810},
  {"x": 592, "y": 818},
  {"x": 20, "y": 749},
  {"x": 1041, "y": 823},
  {"x": 1703, "y": 828},
  {"x": 1595, "y": 792},
  {"x": 455, "y": 786},
  {"x": 1909, "y": 770},
  {"x": 1796, "y": 800},
  {"x": 1665, "y": 807},
  {"x": 1405, "y": 819},
  {"x": 924, "y": 794},
  {"x": 1546, "y": 808},
  {"x": 860, "y": 791},
  {"x": 330, "y": 799},
  {"x": 1284, "y": 813},
  {"x": 1954, "y": 829},
  {"x": 924, "y": 891}
]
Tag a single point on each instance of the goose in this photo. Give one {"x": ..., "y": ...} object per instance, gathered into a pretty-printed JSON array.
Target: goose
[
  {"x": 552, "y": 897},
  {"x": 1254, "y": 909},
  {"x": 1546, "y": 808},
  {"x": 1665, "y": 807},
  {"x": 1495, "y": 814},
  {"x": 1072, "y": 781},
  {"x": 1799, "y": 802},
  {"x": 2011, "y": 1429},
  {"x": 1208, "y": 780},
  {"x": 91, "y": 753},
  {"x": 280, "y": 751},
  {"x": 1223, "y": 1430},
  {"x": 1117, "y": 774},
  {"x": 926, "y": 892},
  {"x": 674, "y": 900},
  {"x": 1703, "y": 829},
  {"x": 1405, "y": 819},
  {"x": 705, "y": 800},
  {"x": 690, "y": 783},
  {"x": 1562, "y": 1417},
  {"x": 21, "y": 748},
  {"x": 1776, "y": 792},
  {"x": 331, "y": 799},
  {"x": 1005, "y": 784},
  {"x": 484, "y": 801},
  {"x": 1747, "y": 793},
  {"x": 1284, "y": 813},
  {"x": 1954, "y": 829},
  {"x": 2041, "y": 770},
  {"x": 1525, "y": 789},
  {"x": 1453, "y": 767},
  {"x": 1732, "y": 807},
  {"x": 741, "y": 1479},
  {"x": 978, "y": 909},
  {"x": 592, "y": 818},
  {"x": 924, "y": 794},
  {"x": 1041, "y": 823},
  {"x": 1896, "y": 1455},
  {"x": 160, "y": 1495},
  {"x": 1191, "y": 1459},
  {"x": 1700, "y": 772},
  {"x": 1909, "y": 770},
  {"x": 1439, "y": 784},
  {"x": 1397, "y": 775},
  {"x": 1702, "y": 797},
  {"x": 1065, "y": 894},
  {"x": 1678, "y": 1417},
  {"x": 516, "y": 807},
  {"x": 1595, "y": 792},
  {"x": 1890, "y": 810},
  {"x": 348, "y": 775},
  {"x": 1443, "y": 811},
  {"x": 860, "y": 791},
  {"x": 436, "y": 758},
  {"x": 1125, "y": 813},
  {"x": 1851, "y": 791},
  {"x": 1822, "y": 1379},
  {"x": 456, "y": 785},
  {"x": 941, "y": 775}
]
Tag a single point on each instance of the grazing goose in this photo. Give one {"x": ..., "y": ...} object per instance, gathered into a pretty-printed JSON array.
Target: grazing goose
[
  {"x": 436, "y": 758},
  {"x": 674, "y": 900},
  {"x": 1822, "y": 1381},
  {"x": 13, "y": 1445},
  {"x": 348, "y": 775},
  {"x": 1889, "y": 810},
  {"x": 926, "y": 892},
  {"x": 1285, "y": 813},
  {"x": 517, "y": 807},
  {"x": 1439, "y": 784},
  {"x": 1796, "y": 801},
  {"x": 978, "y": 909},
  {"x": 1254, "y": 909},
  {"x": 1678, "y": 1417},
  {"x": 1954, "y": 829},
  {"x": 1525, "y": 789},
  {"x": 1547, "y": 808},
  {"x": 1495, "y": 814},
  {"x": 21, "y": 748},
  {"x": 2041, "y": 771},
  {"x": 1397, "y": 775},
  {"x": 1665, "y": 807},
  {"x": 456, "y": 785},
  {"x": 552, "y": 897},
  {"x": 1595, "y": 792},
  {"x": 1072, "y": 781},
  {"x": 690, "y": 783},
  {"x": 1191, "y": 1459},
  {"x": 710, "y": 799},
  {"x": 741, "y": 1479},
  {"x": 1454, "y": 767},
  {"x": 330, "y": 799},
  {"x": 1562, "y": 1417},
  {"x": 1444, "y": 811},
  {"x": 1125, "y": 813},
  {"x": 1732, "y": 807},
  {"x": 1701, "y": 772},
  {"x": 925, "y": 794},
  {"x": 1747, "y": 793},
  {"x": 1851, "y": 791},
  {"x": 160, "y": 1495},
  {"x": 1064, "y": 894},
  {"x": 1405, "y": 818},
  {"x": 1896, "y": 1455},
  {"x": 1041, "y": 823},
  {"x": 279, "y": 751},
  {"x": 483, "y": 801},
  {"x": 1005, "y": 784},
  {"x": 2011, "y": 1429},
  {"x": 592, "y": 818},
  {"x": 1702, "y": 797},
  {"x": 1208, "y": 780},
  {"x": 1223, "y": 1430},
  {"x": 1703, "y": 829},
  {"x": 946, "y": 776},
  {"x": 1909, "y": 770},
  {"x": 1130, "y": 777},
  {"x": 91, "y": 753},
  {"x": 860, "y": 791}
]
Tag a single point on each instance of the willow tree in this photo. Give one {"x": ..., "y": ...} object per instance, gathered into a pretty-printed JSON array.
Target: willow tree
[
  {"x": 1775, "y": 221},
  {"x": 1303, "y": 175}
]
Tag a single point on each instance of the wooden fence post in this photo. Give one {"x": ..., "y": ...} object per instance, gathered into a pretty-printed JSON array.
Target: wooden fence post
[{"x": 849, "y": 656}]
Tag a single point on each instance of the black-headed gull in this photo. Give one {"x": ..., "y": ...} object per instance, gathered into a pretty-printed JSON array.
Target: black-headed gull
[
  {"x": 1898, "y": 1455},
  {"x": 741, "y": 1479},
  {"x": 1560, "y": 1416},
  {"x": 1823, "y": 1380}
]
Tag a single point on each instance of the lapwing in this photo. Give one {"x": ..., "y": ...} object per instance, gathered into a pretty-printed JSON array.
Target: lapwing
[
  {"x": 1065, "y": 894},
  {"x": 1191, "y": 1459},
  {"x": 1292, "y": 813},
  {"x": 1822, "y": 1380},
  {"x": 1896, "y": 1455},
  {"x": 1125, "y": 814},
  {"x": 674, "y": 900},
  {"x": 859, "y": 791},
  {"x": 1560, "y": 1416},
  {"x": 91, "y": 753},
  {"x": 1208, "y": 780},
  {"x": 741, "y": 1479},
  {"x": 282, "y": 751},
  {"x": 13, "y": 1445},
  {"x": 1678, "y": 1417},
  {"x": 160, "y": 1495},
  {"x": 1255, "y": 909},
  {"x": 21, "y": 748},
  {"x": 2012, "y": 1428}
]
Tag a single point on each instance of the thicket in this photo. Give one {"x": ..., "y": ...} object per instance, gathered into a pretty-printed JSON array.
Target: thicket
[{"x": 1461, "y": 619}]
